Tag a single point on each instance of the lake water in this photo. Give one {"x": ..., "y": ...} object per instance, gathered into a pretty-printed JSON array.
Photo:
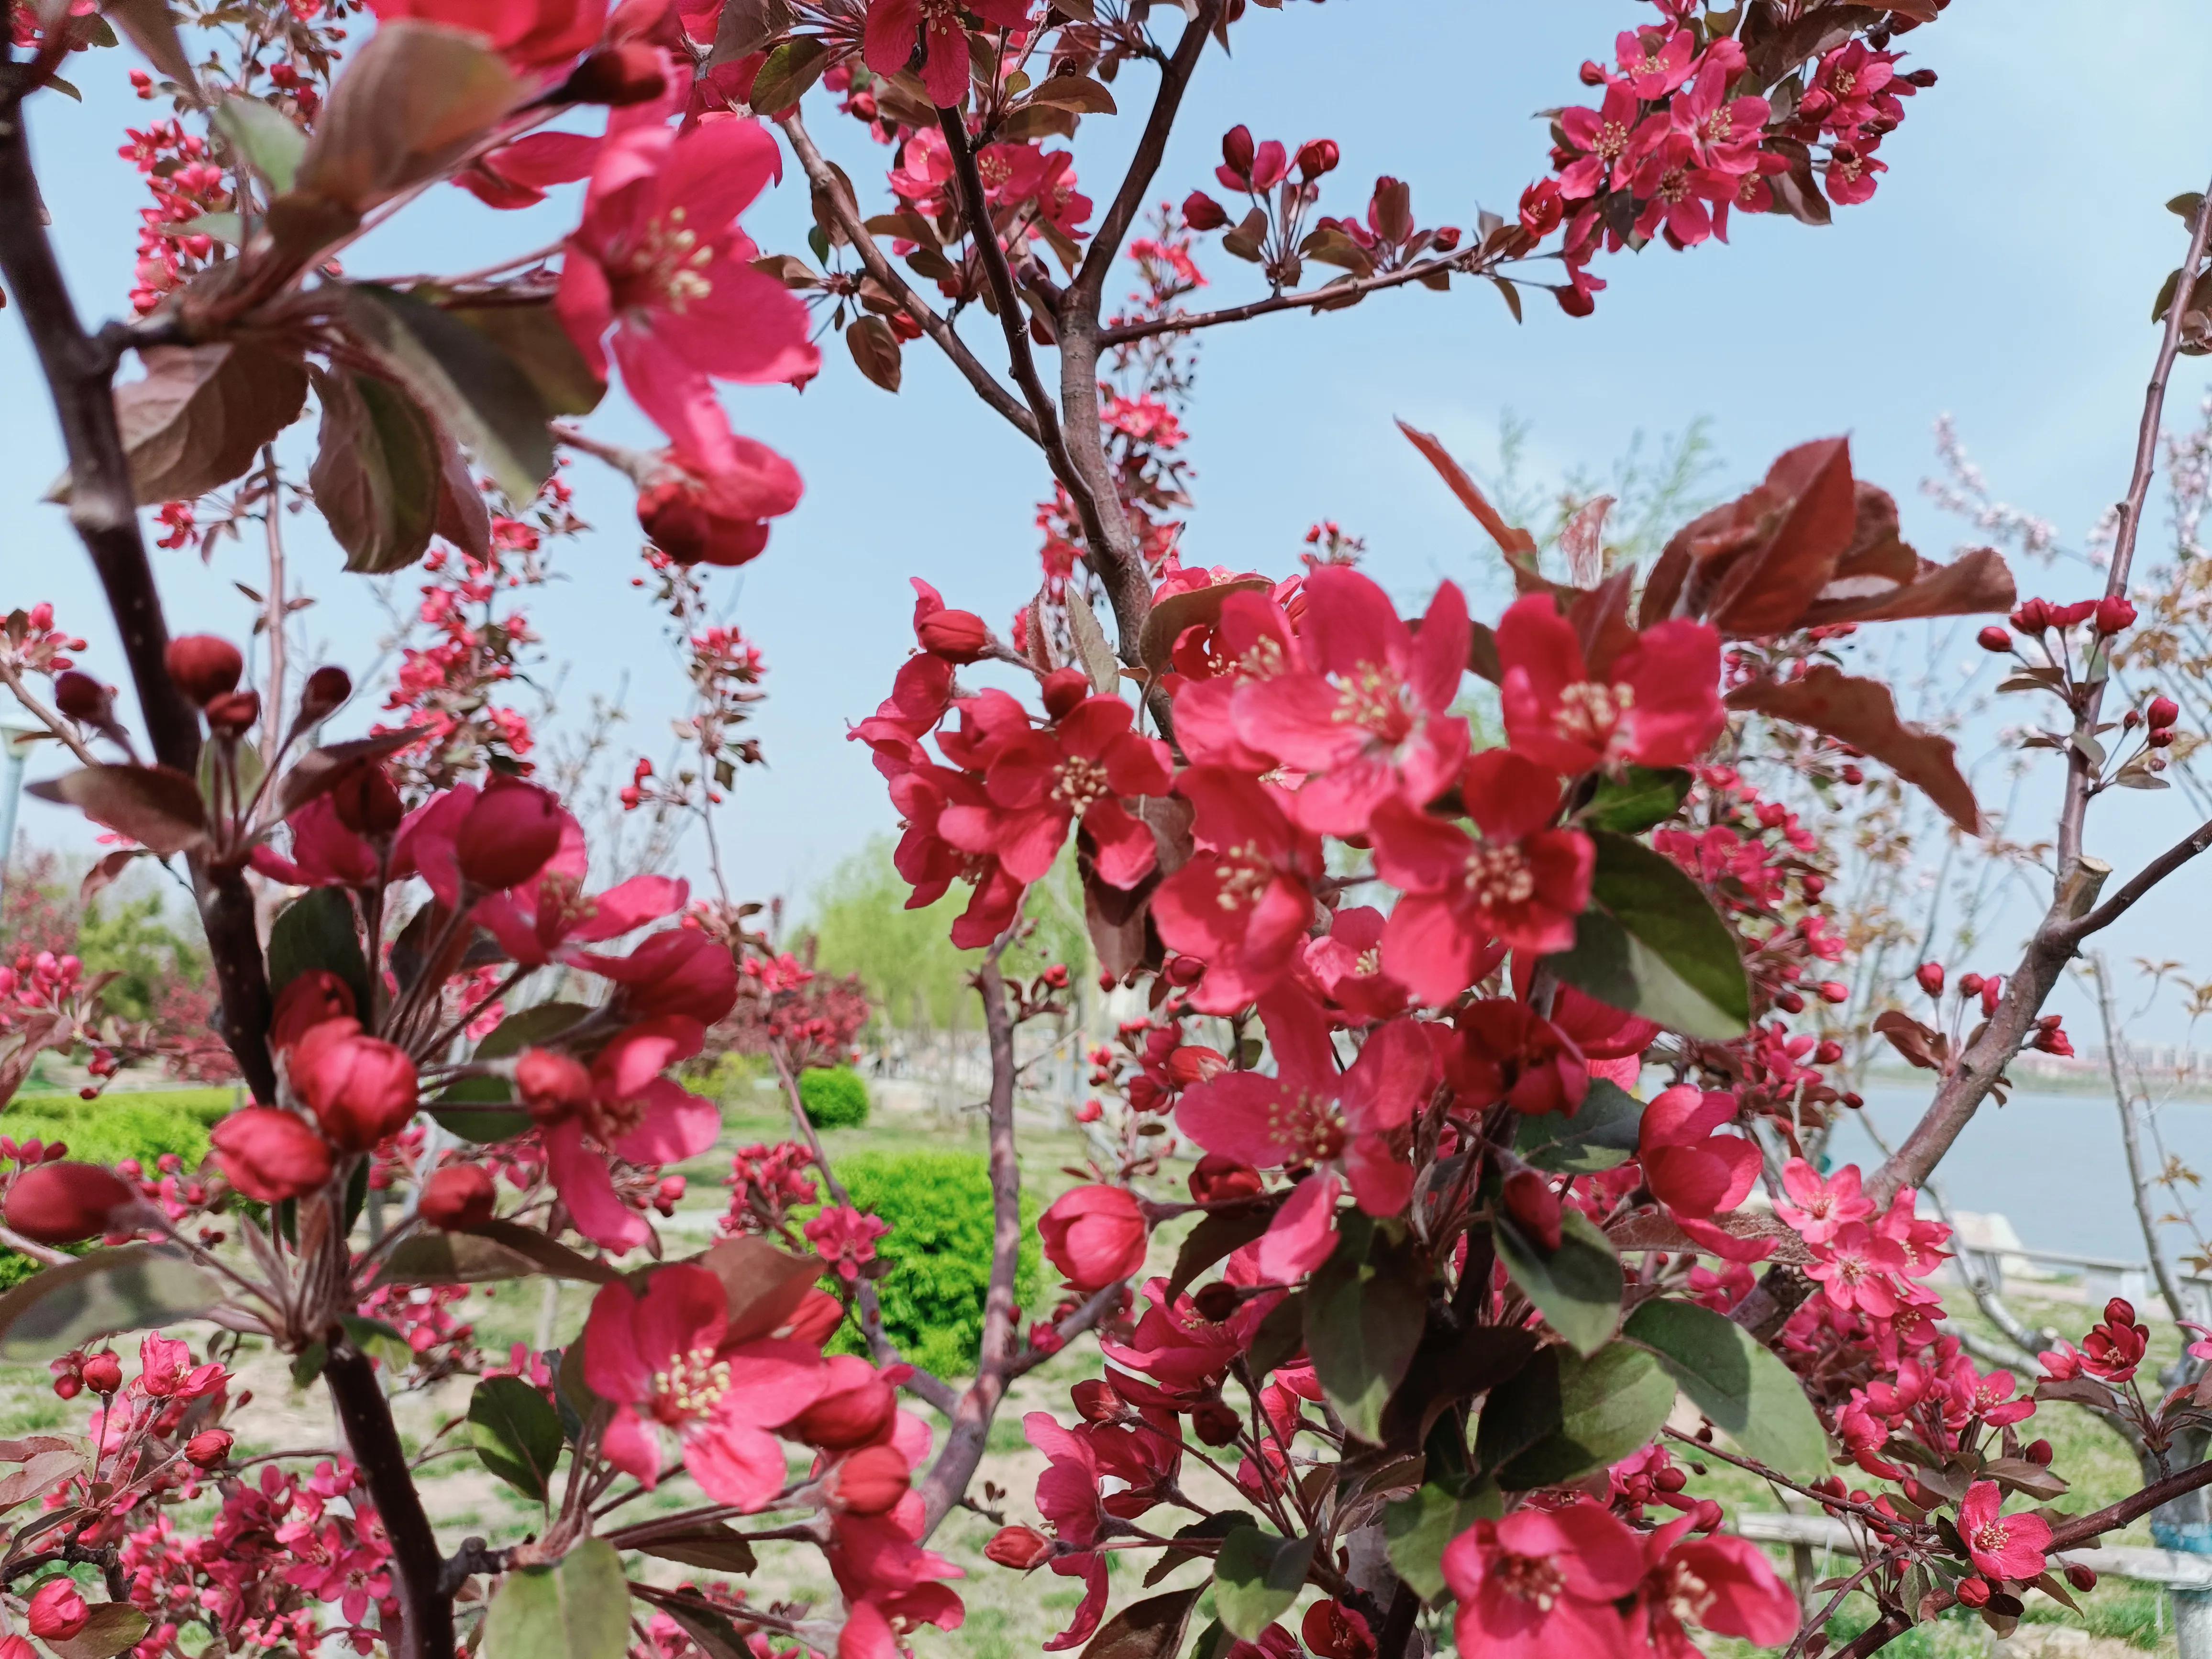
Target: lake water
[{"x": 2052, "y": 1163}]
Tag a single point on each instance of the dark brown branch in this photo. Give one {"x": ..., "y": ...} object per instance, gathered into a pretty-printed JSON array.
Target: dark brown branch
[
  {"x": 1114, "y": 555},
  {"x": 1014, "y": 323},
  {"x": 1333, "y": 294},
  {"x": 874, "y": 262},
  {"x": 103, "y": 509},
  {"x": 2136, "y": 886},
  {"x": 426, "y": 1605},
  {"x": 948, "y": 1478}
]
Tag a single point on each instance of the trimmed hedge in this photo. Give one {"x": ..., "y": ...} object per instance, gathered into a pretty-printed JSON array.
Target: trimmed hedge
[
  {"x": 834, "y": 1098},
  {"x": 939, "y": 1207},
  {"x": 116, "y": 1127}
]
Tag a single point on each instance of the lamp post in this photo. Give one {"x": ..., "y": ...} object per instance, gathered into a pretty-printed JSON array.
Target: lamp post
[{"x": 15, "y": 752}]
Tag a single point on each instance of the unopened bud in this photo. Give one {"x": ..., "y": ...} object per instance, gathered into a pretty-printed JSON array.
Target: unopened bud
[
  {"x": 959, "y": 636},
  {"x": 1019, "y": 1547},
  {"x": 1237, "y": 150},
  {"x": 326, "y": 688},
  {"x": 1317, "y": 156},
  {"x": 2082, "y": 1578},
  {"x": 1063, "y": 690},
  {"x": 233, "y": 713},
  {"x": 2162, "y": 712},
  {"x": 459, "y": 1197},
  {"x": 2115, "y": 615},
  {"x": 1930, "y": 977},
  {"x": 869, "y": 1482},
  {"x": 307, "y": 1000},
  {"x": 1201, "y": 213},
  {"x": 509, "y": 833},
  {"x": 366, "y": 801},
  {"x": 1973, "y": 1592},
  {"x": 1995, "y": 638},
  {"x": 2037, "y": 1451},
  {"x": 1531, "y": 1202},
  {"x": 208, "y": 1449},
  {"x": 202, "y": 666},
  {"x": 65, "y": 1203},
  {"x": 2033, "y": 617},
  {"x": 103, "y": 1373},
  {"x": 83, "y": 698}
]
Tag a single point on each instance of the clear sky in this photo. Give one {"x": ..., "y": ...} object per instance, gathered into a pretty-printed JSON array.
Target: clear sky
[{"x": 2003, "y": 273}]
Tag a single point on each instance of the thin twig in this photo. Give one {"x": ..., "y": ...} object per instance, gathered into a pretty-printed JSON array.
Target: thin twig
[{"x": 1338, "y": 293}]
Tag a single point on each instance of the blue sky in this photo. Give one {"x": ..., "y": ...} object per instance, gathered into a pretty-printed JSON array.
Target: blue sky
[{"x": 2003, "y": 273}]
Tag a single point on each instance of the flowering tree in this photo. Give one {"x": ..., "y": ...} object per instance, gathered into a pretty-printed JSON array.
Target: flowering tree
[{"x": 1443, "y": 1273}]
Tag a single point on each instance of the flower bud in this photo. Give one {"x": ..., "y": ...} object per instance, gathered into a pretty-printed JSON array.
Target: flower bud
[
  {"x": 1995, "y": 638},
  {"x": 207, "y": 1450},
  {"x": 1194, "y": 1063},
  {"x": 2033, "y": 617},
  {"x": 1529, "y": 1199},
  {"x": 1220, "y": 1179},
  {"x": 1930, "y": 977},
  {"x": 1237, "y": 150},
  {"x": 83, "y": 698},
  {"x": 233, "y": 713},
  {"x": 1096, "y": 1236},
  {"x": 2082, "y": 1578},
  {"x": 1592, "y": 73},
  {"x": 2114, "y": 615},
  {"x": 631, "y": 73},
  {"x": 511, "y": 830},
  {"x": 2162, "y": 712},
  {"x": 271, "y": 1155},
  {"x": 1215, "y": 1422},
  {"x": 326, "y": 688},
  {"x": 1063, "y": 690},
  {"x": 1317, "y": 156},
  {"x": 65, "y": 1203},
  {"x": 1201, "y": 213},
  {"x": 457, "y": 1197},
  {"x": 1970, "y": 985},
  {"x": 868, "y": 1481},
  {"x": 2120, "y": 1311},
  {"x": 2160, "y": 737},
  {"x": 2037, "y": 1451},
  {"x": 552, "y": 1085},
  {"x": 360, "y": 1088},
  {"x": 1095, "y": 1401},
  {"x": 853, "y": 1406},
  {"x": 202, "y": 666},
  {"x": 307, "y": 1000},
  {"x": 366, "y": 802},
  {"x": 683, "y": 522},
  {"x": 56, "y": 1611},
  {"x": 1992, "y": 990},
  {"x": 959, "y": 636},
  {"x": 1973, "y": 1592},
  {"x": 102, "y": 1373},
  {"x": 1019, "y": 1547}
]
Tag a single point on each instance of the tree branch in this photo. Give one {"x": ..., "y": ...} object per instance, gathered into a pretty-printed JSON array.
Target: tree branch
[
  {"x": 1334, "y": 294},
  {"x": 1014, "y": 323},
  {"x": 426, "y": 1606},
  {"x": 948, "y": 1478},
  {"x": 874, "y": 262},
  {"x": 104, "y": 511},
  {"x": 2132, "y": 1144}
]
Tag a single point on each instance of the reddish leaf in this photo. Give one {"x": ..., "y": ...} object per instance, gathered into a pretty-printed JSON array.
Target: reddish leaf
[
  {"x": 1192, "y": 607},
  {"x": 1919, "y": 1043},
  {"x": 33, "y": 1035},
  {"x": 765, "y": 1286},
  {"x": 875, "y": 348},
  {"x": 375, "y": 474},
  {"x": 314, "y": 772},
  {"x": 1974, "y": 584},
  {"x": 1517, "y": 544},
  {"x": 157, "y": 806},
  {"x": 1765, "y": 589},
  {"x": 103, "y": 873},
  {"x": 1861, "y": 714},
  {"x": 199, "y": 416},
  {"x": 411, "y": 102}
]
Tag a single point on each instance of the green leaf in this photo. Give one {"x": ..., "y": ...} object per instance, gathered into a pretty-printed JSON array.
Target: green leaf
[
  {"x": 136, "y": 1288},
  {"x": 528, "y": 1028},
  {"x": 1416, "y": 1529},
  {"x": 790, "y": 69},
  {"x": 715, "y": 1635},
  {"x": 1281, "y": 1334},
  {"x": 1575, "y": 1287},
  {"x": 378, "y": 1340},
  {"x": 316, "y": 930},
  {"x": 1365, "y": 1312},
  {"x": 578, "y": 1608},
  {"x": 541, "y": 348},
  {"x": 473, "y": 388},
  {"x": 109, "y": 1628},
  {"x": 1150, "y": 1629},
  {"x": 307, "y": 1363},
  {"x": 1601, "y": 1136},
  {"x": 1652, "y": 944},
  {"x": 1736, "y": 1382},
  {"x": 1600, "y": 1410},
  {"x": 517, "y": 1435},
  {"x": 265, "y": 136},
  {"x": 1211, "y": 1526},
  {"x": 453, "y": 1109},
  {"x": 1219, "y": 1234},
  {"x": 1637, "y": 799},
  {"x": 1256, "y": 1579},
  {"x": 376, "y": 474}
]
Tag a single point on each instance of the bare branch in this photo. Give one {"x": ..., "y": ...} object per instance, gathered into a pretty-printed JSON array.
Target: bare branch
[
  {"x": 873, "y": 259},
  {"x": 1335, "y": 294}
]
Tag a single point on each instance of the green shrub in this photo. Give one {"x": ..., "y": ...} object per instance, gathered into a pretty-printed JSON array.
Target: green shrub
[
  {"x": 834, "y": 1098},
  {"x": 939, "y": 1208},
  {"x": 116, "y": 1127}
]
